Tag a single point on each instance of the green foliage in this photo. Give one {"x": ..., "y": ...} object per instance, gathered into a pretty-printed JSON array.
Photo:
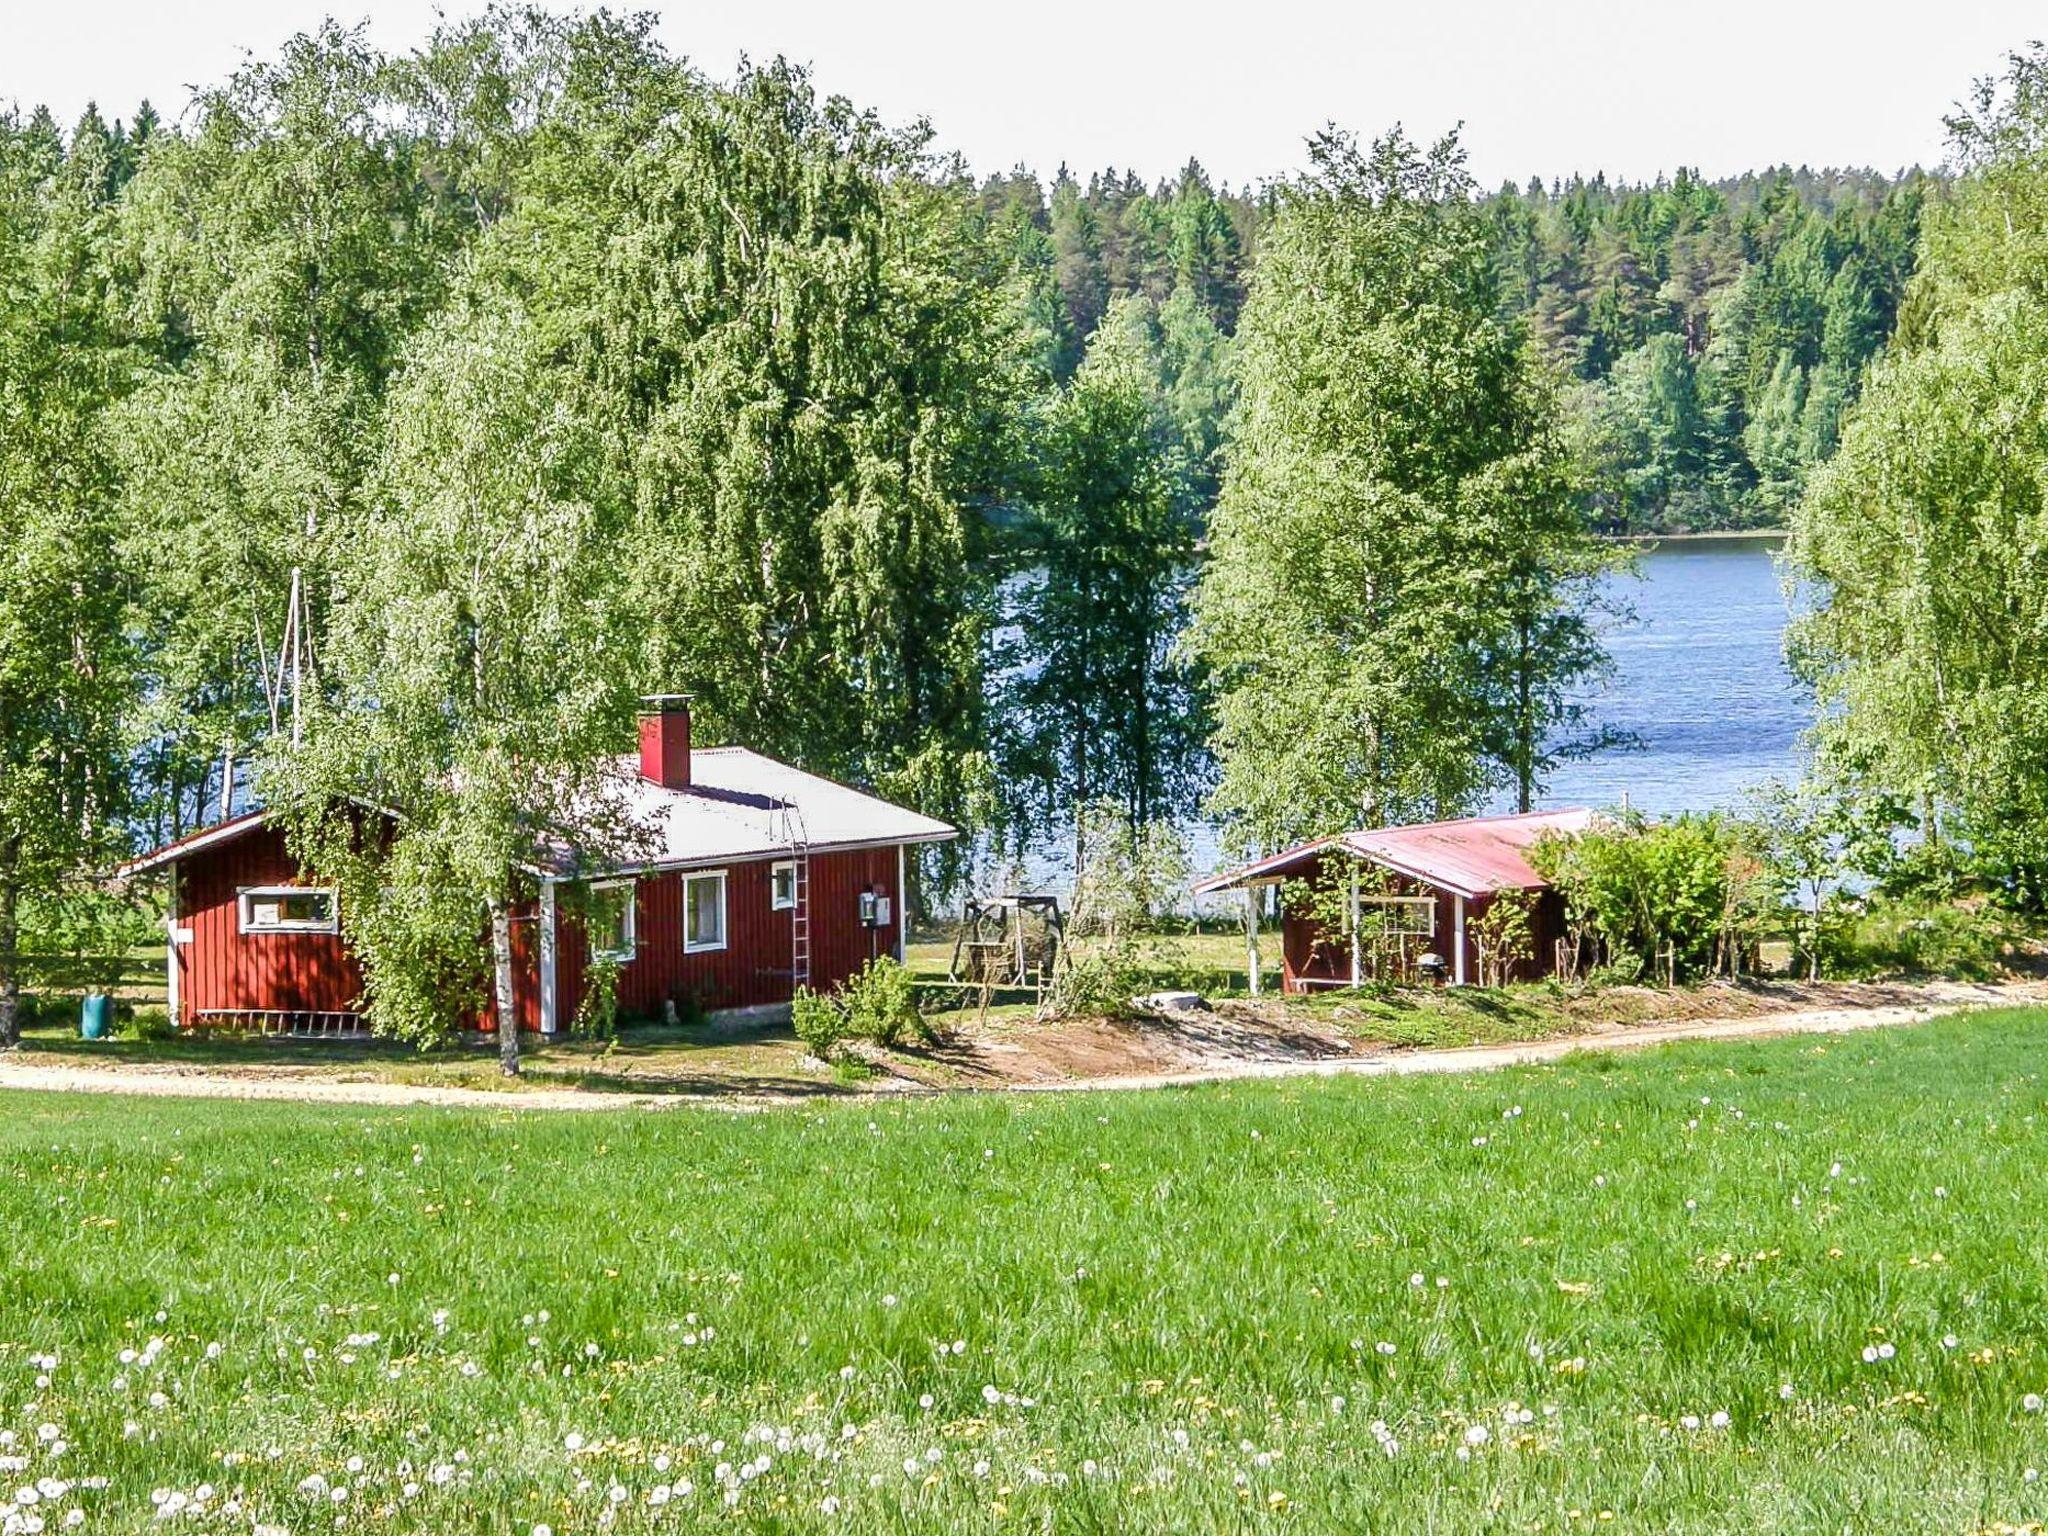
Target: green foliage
[
  {"x": 1504, "y": 934},
  {"x": 1810, "y": 838},
  {"x": 772, "y": 317},
  {"x": 485, "y": 561},
  {"x": 1324, "y": 903},
  {"x": 1096, "y": 703},
  {"x": 597, "y": 1014},
  {"x": 1672, "y": 899},
  {"x": 1129, "y": 872},
  {"x": 877, "y": 1003},
  {"x": 1129, "y": 875},
  {"x": 65, "y": 651},
  {"x": 1398, "y": 596},
  {"x": 1915, "y": 936},
  {"x": 819, "y": 1021},
  {"x": 280, "y": 252},
  {"x": 881, "y": 1002},
  {"x": 80, "y": 935},
  {"x": 1925, "y": 539},
  {"x": 1720, "y": 329},
  {"x": 1099, "y": 983}
]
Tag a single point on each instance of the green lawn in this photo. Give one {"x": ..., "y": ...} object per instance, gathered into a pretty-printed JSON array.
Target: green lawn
[{"x": 1518, "y": 1301}]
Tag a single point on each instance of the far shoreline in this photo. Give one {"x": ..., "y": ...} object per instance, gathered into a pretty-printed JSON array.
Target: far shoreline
[{"x": 1700, "y": 536}]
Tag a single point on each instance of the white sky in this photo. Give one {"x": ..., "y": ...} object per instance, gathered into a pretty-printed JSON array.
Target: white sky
[{"x": 1629, "y": 86}]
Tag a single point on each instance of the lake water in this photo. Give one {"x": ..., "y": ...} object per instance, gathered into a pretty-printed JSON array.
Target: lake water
[{"x": 1700, "y": 678}]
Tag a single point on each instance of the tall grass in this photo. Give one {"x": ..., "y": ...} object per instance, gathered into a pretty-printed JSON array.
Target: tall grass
[{"x": 1790, "y": 1286}]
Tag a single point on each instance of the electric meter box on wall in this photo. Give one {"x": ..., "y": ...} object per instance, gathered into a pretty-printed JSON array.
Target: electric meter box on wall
[{"x": 874, "y": 910}]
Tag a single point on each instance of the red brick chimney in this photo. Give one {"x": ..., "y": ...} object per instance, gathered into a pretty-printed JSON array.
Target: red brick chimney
[{"x": 665, "y": 740}]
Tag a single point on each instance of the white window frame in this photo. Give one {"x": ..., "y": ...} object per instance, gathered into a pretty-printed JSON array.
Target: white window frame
[
  {"x": 246, "y": 896},
  {"x": 776, "y": 871},
  {"x": 690, "y": 877},
  {"x": 1392, "y": 905},
  {"x": 631, "y": 932}
]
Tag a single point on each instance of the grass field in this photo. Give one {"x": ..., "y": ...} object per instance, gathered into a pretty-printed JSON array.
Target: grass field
[{"x": 1790, "y": 1286}]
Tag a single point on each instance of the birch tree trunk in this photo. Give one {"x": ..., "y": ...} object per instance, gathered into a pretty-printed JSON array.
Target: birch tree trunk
[
  {"x": 10, "y": 943},
  {"x": 501, "y": 987}
]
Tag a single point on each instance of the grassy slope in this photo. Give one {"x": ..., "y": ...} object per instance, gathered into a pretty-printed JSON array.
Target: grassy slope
[{"x": 1623, "y": 1243}]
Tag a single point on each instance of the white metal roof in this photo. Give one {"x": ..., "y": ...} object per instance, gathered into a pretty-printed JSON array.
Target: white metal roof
[{"x": 741, "y": 805}]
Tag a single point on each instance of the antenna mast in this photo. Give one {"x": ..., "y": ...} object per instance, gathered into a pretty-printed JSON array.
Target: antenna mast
[{"x": 294, "y": 659}]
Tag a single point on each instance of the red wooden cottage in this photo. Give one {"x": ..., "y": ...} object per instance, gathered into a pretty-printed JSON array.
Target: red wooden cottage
[
  {"x": 759, "y": 877},
  {"x": 1400, "y": 894}
]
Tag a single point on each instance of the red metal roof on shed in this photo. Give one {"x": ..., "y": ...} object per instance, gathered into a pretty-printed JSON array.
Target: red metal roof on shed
[{"x": 1474, "y": 857}]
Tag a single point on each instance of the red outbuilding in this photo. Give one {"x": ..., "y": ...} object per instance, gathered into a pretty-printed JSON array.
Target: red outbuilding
[
  {"x": 1388, "y": 901},
  {"x": 757, "y": 878}
]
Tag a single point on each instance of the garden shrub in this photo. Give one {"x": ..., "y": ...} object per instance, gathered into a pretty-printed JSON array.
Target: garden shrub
[
  {"x": 881, "y": 1003},
  {"x": 1098, "y": 984},
  {"x": 818, "y": 1021},
  {"x": 1685, "y": 897},
  {"x": 877, "y": 1003},
  {"x": 1910, "y": 936}
]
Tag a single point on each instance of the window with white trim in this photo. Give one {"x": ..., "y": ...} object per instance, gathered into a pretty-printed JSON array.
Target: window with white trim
[
  {"x": 782, "y": 886},
  {"x": 703, "y": 912},
  {"x": 288, "y": 909},
  {"x": 610, "y": 921},
  {"x": 1398, "y": 917}
]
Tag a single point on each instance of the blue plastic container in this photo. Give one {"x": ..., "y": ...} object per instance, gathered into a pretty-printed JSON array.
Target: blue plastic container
[{"x": 96, "y": 1018}]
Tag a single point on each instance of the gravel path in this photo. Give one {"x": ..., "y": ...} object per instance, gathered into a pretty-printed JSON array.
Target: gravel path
[
  {"x": 184, "y": 1083},
  {"x": 174, "y": 1082}
]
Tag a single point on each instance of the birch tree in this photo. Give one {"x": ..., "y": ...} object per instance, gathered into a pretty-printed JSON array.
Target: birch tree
[
  {"x": 63, "y": 596},
  {"x": 1924, "y": 542},
  {"x": 283, "y": 248},
  {"x": 478, "y": 673},
  {"x": 782, "y": 325},
  {"x": 1396, "y": 540}
]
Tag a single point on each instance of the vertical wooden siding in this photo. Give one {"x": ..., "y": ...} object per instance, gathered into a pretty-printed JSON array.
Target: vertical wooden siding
[
  {"x": 755, "y": 967},
  {"x": 1307, "y": 955},
  {"x": 840, "y": 946},
  {"x": 225, "y": 968},
  {"x": 313, "y": 972}
]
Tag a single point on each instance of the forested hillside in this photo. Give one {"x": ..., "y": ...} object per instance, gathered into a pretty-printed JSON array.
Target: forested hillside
[{"x": 1716, "y": 331}]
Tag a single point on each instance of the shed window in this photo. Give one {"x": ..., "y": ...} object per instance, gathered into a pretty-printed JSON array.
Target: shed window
[
  {"x": 610, "y": 921},
  {"x": 782, "y": 886},
  {"x": 1410, "y": 917},
  {"x": 704, "y": 912},
  {"x": 288, "y": 909}
]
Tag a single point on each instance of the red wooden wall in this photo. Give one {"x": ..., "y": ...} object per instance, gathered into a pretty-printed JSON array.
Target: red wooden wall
[
  {"x": 1304, "y": 955},
  {"x": 307, "y": 972},
  {"x": 754, "y": 968},
  {"x": 225, "y": 968}
]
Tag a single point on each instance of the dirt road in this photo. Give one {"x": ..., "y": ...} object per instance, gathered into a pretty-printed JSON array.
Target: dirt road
[
  {"x": 1942, "y": 998},
  {"x": 180, "y": 1082}
]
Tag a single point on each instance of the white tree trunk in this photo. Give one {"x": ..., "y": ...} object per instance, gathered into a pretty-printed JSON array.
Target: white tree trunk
[{"x": 501, "y": 969}]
